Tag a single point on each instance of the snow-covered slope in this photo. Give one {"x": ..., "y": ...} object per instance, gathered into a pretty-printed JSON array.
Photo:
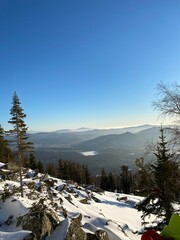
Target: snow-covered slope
[{"x": 100, "y": 210}]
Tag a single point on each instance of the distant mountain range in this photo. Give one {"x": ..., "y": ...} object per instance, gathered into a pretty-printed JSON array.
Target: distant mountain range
[
  {"x": 112, "y": 147},
  {"x": 67, "y": 137}
]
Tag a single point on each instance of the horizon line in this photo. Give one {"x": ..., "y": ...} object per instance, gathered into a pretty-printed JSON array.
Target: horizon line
[{"x": 90, "y": 129}]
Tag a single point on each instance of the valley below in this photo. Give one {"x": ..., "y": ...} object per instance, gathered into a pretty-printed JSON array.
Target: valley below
[{"x": 109, "y": 148}]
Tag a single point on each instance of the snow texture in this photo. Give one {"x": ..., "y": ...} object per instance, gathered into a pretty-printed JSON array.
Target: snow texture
[{"x": 118, "y": 218}]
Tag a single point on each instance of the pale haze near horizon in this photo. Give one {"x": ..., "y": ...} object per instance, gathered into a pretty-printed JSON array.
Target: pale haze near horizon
[{"x": 89, "y": 64}]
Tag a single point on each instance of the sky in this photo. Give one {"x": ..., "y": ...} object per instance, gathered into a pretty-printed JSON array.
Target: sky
[{"x": 92, "y": 64}]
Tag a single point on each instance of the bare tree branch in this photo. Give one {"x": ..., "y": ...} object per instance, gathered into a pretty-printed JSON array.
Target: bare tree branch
[{"x": 168, "y": 103}]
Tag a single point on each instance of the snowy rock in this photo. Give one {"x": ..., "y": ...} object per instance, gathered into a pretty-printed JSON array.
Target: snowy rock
[
  {"x": 75, "y": 231},
  {"x": 2, "y": 165},
  {"x": 41, "y": 223},
  {"x": 99, "y": 235},
  {"x": 49, "y": 202}
]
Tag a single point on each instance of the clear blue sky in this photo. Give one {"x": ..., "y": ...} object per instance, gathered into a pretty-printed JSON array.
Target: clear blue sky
[{"x": 78, "y": 63}]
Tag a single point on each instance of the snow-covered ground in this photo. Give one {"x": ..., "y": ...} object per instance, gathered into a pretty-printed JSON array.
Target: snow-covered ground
[{"x": 118, "y": 218}]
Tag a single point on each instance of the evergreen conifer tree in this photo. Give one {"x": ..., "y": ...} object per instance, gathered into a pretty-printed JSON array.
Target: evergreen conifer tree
[
  {"x": 163, "y": 194},
  {"x": 142, "y": 180},
  {"x": 51, "y": 169},
  {"x": 40, "y": 167},
  {"x": 32, "y": 161},
  {"x": 103, "y": 180},
  {"x": 6, "y": 154},
  {"x": 111, "y": 182},
  {"x": 87, "y": 175},
  {"x": 19, "y": 131},
  {"x": 126, "y": 179}
]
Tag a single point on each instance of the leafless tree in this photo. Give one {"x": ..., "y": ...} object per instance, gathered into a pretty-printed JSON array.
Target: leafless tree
[
  {"x": 168, "y": 103},
  {"x": 168, "y": 106}
]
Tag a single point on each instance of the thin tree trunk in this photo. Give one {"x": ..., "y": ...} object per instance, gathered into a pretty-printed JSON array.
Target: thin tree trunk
[
  {"x": 20, "y": 161},
  {"x": 20, "y": 175}
]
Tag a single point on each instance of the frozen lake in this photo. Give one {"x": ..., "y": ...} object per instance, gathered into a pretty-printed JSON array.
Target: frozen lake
[{"x": 89, "y": 153}]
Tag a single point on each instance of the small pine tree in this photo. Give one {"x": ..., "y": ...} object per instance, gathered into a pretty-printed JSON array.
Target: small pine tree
[
  {"x": 103, "y": 180},
  {"x": 87, "y": 175},
  {"x": 126, "y": 179},
  {"x": 142, "y": 180},
  {"x": 40, "y": 167},
  {"x": 51, "y": 169},
  {"x": 165, "y": 186},
  {"x": 60, "y": 169},
  {"x": 32, "y": 161},
  {"x": 20, "y": 132},
  {"x": 6, "y": 154},
  {"x": 111, "y": 182}
]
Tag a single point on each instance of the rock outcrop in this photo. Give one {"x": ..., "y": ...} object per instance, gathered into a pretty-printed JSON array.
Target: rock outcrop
[
  {"x": 41, "y": 222},
  {"x": 99, "y": 235},
  {"x": 75, "y": 232}
]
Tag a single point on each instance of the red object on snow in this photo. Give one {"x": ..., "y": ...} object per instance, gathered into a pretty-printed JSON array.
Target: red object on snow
[{"x": 151, "y": 235}]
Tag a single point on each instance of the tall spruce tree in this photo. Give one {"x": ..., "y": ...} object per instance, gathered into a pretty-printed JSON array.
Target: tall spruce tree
[
  {"x": 165, "y": 185},
  {"x": 19, "y": 131}
]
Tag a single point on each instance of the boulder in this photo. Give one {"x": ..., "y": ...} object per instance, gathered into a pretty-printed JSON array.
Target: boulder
[
  {"x": 84, "y": 201},
  {"x": 75, "y": 231},
  {"x": 41, "y": 223},
  {"x": 99, "y": 235}
]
